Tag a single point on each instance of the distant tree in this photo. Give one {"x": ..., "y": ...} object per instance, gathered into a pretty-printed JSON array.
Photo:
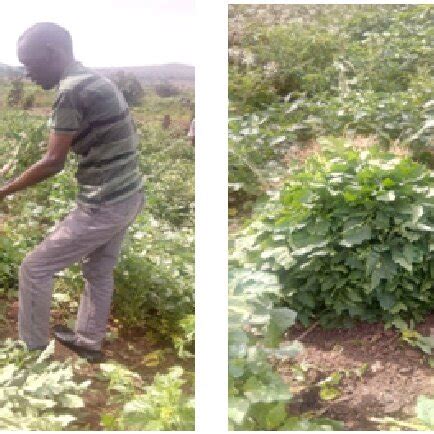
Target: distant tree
[
  {"x": 185, "y": 102},
  {"x": 130, "y": 86},
  {"x": 29, "y": 101},
  {"x": 166, "y": 122},
  {"x": 16, "y": 93},
  {"x": 166, "y": 90}
]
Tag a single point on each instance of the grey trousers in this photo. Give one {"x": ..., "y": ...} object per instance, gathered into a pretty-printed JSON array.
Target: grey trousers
[{"x": 93, "y": 236}]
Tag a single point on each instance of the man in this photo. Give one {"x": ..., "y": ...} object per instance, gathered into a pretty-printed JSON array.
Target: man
[
  {"x": 191, "y": 132},
  {"x": 90, "y": 117}
]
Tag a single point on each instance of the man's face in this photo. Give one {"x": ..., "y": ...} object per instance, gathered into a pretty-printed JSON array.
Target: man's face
[{"x": 42, "y": 64}]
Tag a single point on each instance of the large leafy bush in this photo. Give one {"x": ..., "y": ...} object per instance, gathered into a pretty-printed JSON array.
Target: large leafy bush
[{"x": 350, "y": 237}]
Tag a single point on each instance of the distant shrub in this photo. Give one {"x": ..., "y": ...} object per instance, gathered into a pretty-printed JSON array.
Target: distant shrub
[
  {"x": 166, "y": 90},
  {"x": 130, "y": 86},
  {"x": 16, "y": 93},
  {"x": 29, "y": 101}
]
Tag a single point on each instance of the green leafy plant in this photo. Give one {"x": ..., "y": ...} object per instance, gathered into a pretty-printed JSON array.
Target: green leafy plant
[
  {"x": 184, "y": 341},
  {"x": 329, "y": 389},
  {"x": 154, "y": 278},
  {"x": 349, "y": 237},
  {"x": 168, "y": 163},
  {"x": 161, "y": 406},
  {"x": 412, "y": 336},
  {"x": 8, "y": 266},
  {"x": 36, "y": 393},
  {"x": 257, "y": 394}
]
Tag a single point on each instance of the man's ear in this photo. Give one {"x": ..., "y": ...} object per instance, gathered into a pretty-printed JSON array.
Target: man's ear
[{"x": 53, "y": 53}]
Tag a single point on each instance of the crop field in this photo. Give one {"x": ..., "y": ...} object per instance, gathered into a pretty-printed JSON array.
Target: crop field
[
  {"x": 146, "y": 381},
  {"x": 331, "y": 217}
]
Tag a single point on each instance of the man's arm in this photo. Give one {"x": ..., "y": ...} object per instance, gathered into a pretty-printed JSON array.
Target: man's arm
[{"x": 51, "y": 163}]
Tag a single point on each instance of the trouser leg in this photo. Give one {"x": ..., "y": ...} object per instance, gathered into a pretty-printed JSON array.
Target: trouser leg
[
  {"x": 56, "y": 252},
  {"x": 94, "y": 309},
  {"x": 34, "y": 305},
  {"x": 78, "y": 235}
]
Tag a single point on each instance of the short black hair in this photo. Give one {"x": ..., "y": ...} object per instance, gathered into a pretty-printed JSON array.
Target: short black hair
[{"x": 50, "y": 33}]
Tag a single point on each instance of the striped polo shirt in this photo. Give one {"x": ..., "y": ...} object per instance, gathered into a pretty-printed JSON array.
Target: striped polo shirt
[{"x": 92, "y": 108}]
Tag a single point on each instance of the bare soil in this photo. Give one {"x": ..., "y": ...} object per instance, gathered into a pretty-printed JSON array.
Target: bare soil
[
  {"x": 382, "y": 376},
  {"x": 129, "y": 349}
]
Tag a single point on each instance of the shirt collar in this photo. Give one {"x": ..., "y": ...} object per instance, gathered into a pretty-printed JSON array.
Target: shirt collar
[{"x": 71, "y": 69}]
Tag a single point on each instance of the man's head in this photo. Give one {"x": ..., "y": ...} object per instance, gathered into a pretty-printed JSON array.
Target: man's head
[{"x": 45, "y": 49}]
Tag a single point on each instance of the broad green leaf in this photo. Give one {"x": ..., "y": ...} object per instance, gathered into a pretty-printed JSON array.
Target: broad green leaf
[
  {"x": 328, "y": 393},
  {"x": 269, "y": 416},
  {"x": 236, "y": 366},
  {"x": 238, "y": 408},
  {"x": 425, "y": 410},
  {"x": 287, "y": 350},
  {"x": 7, "y": 373},
  {"x": 388, "y": 196},
  {"x": 71, "y": 401},
  {"x": 40, "y": 403},
  {"x": 402, "y": 259},
  {"x": 281, "y": 255},
  {"x": 356, "y": 236},
  {"x": 387, "y": 300},
  {"x": 256, "y": 391},
  {"x": 309, "y": 248},
  {"x": 417, "y": 212},
  {"x": 49, "y": 351}
]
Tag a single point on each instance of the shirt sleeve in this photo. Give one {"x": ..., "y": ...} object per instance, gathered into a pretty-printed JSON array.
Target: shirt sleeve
[{"x": 66, "y": 116}]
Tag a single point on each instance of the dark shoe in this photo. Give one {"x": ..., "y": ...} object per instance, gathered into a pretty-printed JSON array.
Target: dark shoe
[
  {"x": 41, "y": 348},
  {"x": 67, "y": 338},
  {"x": 64, "y": 334}
]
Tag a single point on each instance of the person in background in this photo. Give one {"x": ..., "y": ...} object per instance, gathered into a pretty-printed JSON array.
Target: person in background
[{"x": 191, "y": 132}]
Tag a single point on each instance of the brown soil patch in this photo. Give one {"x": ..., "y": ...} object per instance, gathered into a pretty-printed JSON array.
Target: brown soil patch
[
  {"x": 298, "y": 154},
  {"x": 129, "y": 349},
  {"x": 381, "y": 375},
  {"x": 39, "y": 111}
]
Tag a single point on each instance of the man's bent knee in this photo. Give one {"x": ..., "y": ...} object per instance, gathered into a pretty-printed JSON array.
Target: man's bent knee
[
  {"x": 27, "y": 266},
  {"x": 31, "y": 266}
]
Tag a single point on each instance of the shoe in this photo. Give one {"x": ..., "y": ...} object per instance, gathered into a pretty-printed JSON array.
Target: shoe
[
  {"x": 67, "y": 338},
  {"x": 41, "y": 348},
  {"x": 63, "y": 333}
]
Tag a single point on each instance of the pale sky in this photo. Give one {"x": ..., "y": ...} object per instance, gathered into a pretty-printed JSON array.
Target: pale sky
[{"x": 108, "y": 32}]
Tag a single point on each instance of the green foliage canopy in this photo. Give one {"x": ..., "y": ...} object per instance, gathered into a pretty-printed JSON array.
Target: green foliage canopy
[{"x": 349, "y": 237}]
